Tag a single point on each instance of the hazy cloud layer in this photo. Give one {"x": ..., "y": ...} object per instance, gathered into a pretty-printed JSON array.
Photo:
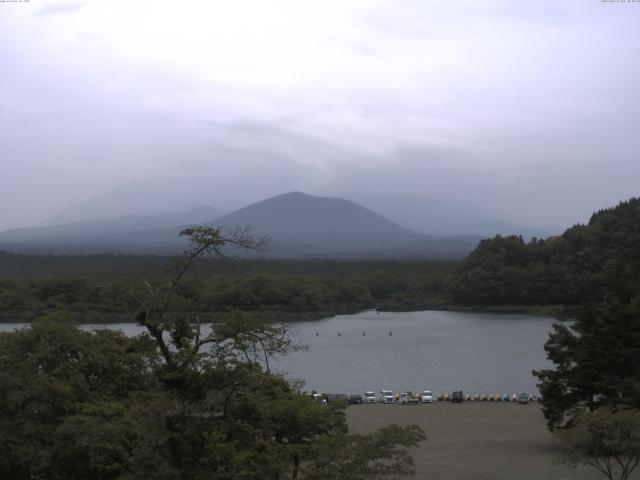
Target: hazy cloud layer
[{"x": 526, "y": 110}]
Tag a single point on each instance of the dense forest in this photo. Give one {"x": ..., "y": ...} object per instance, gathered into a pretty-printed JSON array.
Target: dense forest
[
  {"x": 579, "y": 266},
  {"x": 93, "y": 285},
  {"x": 568, "y": 270}
]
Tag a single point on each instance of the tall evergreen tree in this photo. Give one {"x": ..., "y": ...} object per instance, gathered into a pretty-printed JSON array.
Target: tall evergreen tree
[{"x": 597, "y": 361}]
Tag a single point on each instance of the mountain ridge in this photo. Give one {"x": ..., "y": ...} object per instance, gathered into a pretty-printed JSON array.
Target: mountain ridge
[
  {"x": 109, "y": 226},
  {"x": 298, "y": 224},
  {"x": 295, "y": 213}
]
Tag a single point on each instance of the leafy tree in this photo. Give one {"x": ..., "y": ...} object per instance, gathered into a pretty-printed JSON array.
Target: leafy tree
[
  {"x": 362, "y": 457},
  {"x": 224, "y": 394},
  {"x": 607, "y": 440},
  {"x": 578, "y": 267},
  {"x": 52, "y": 372},
  {"x": 173, "y": 403},
  {"x": 597, "y": 361}
]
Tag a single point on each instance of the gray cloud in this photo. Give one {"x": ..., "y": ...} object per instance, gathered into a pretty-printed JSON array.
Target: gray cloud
[{"x": 525, "y": 110}]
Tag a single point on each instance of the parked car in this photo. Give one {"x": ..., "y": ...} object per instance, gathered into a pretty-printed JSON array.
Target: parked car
[
  {"x": 355, "y": 400},
  {"x": 386, "y": 396},
  {"x": 369, "y": 397},
  {"x": 457, "y": 396},
  {"x": 408, "y": 398},
  {"x": 523, "y": 398},
  {"x": 426, "y": 397},
  {"x": 336, "y": 397}
]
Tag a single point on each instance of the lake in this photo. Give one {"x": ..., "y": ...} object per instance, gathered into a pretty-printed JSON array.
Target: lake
[{"x": 440, "y": 351}]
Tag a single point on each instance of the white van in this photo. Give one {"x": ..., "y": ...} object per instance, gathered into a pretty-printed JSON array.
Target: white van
[
  {"x": 369, "y": 397},
  {"x": 386, "y": 396}
]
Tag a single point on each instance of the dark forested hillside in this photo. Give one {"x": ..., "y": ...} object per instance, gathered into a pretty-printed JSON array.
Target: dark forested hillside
[
  {"x": 32, "y": 285},
  {"x": 577, "y": 267}
]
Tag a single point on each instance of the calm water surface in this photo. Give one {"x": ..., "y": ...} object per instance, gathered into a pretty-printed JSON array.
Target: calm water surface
[{"x": 440, "y": 351}]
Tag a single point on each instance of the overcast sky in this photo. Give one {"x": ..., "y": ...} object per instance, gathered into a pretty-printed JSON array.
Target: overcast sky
[{"x": 527, "y": 110}]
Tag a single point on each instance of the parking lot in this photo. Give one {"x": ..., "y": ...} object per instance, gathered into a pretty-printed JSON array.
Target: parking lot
[{"x": 474, "y": 440}]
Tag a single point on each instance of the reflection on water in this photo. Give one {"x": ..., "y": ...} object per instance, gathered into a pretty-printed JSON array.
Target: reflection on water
[{"x": 440, "y": 351}]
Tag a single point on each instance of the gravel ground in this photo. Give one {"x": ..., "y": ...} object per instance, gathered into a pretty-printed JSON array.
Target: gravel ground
[{"x": 474, "y": 440}]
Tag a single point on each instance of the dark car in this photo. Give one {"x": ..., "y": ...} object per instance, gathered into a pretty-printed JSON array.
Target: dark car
[
  {"x": 355, "y": 400},
  {"x": 336, "y": 397},
  {"x": 457, "y": 396}
]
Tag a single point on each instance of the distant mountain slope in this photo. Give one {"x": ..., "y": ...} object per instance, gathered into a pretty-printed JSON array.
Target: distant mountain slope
[
  {"x": 304, "y": 218},
  {"x": 103, "y": 230},
  {"x": 201, "y": 214},
  {"x": 149, "y": 198},
  {"x": 297, "y": 225},
  {"x": 424, "y": 214},
  {"x": 301, "y": 225}
]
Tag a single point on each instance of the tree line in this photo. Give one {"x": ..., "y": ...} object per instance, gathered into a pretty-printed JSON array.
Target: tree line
[
  {"x": 49, "y": 284},
  {"x": 582, "y": 265}
]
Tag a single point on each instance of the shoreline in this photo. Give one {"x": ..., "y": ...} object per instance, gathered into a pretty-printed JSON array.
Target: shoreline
[
  {"x": 93, "y": 317},
  {"x": 558, "y": 312}
]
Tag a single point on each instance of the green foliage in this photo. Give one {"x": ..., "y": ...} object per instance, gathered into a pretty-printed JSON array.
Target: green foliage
[
  {"x": 78, "y": 405},
  {"x": 109, "y": 440},
  {"x": 607, "y": 440},
  {"x": 172, "y": 404},
  {"x": 597, "y": 361},
  {"x": 578, "y": 267},
  {"x": 365, "y": 457},
  {"x": 94, "y": 286},
  {"x": 296, "y": 294},
  {"x": 53, "y": 372}
]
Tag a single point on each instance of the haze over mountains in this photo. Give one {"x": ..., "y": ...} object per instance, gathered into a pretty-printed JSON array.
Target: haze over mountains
[
  {"x": 106, "y": 227},
  {"x": 297, "y": 225},
  {"x": 148, "y": 198},
  {"x": 423, "y": 214},
  {"x": 434, "y": 216}
]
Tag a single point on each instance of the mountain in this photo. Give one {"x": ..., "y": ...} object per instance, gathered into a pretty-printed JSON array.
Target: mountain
[
  {"x": 201, "y": 214},
  {"x": 123, "y": 233},
  {"x": 304, "y": 218},
  {"x": 424, "y": 213},
  {"x": 297, "y": 225},
  {"x": 162, "y": 197}
]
